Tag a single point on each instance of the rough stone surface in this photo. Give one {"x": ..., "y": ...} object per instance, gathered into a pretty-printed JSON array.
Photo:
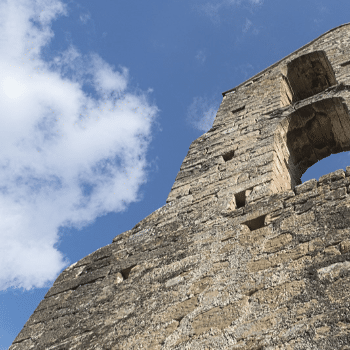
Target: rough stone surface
[{"x": 242, "y": 256}]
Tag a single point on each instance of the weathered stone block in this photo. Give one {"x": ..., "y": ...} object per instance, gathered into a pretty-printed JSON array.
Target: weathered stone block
[
  {"x": 347, "y": 173},
  {"x": 296, "y": 221},
  {"x": 218, "y": 317},
  {"x": 345, "y": 246},
  {"x": 306, "y": 186},
  {"x": 277, "y": 243},
  {"x": 180, "y": 310},
  {"x": 328, "y": 178}
]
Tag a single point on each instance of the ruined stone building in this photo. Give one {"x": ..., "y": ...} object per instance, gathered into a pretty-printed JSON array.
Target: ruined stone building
[{"x": 242, "y": 255}]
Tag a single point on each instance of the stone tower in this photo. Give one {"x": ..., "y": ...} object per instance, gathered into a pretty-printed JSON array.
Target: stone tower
[{"x": 243, "y": 256}]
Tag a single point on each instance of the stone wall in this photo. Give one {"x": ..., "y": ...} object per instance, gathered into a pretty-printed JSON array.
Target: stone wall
[
  {"x": 242, "y": 256},
  {"x": 247, "y": 150}
]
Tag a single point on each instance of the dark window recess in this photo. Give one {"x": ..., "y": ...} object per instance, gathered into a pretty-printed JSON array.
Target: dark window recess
[
  {"x": 256, "y": 223},
  {"x": 126, "y": 272},
  {"x": 228, "y": 156},
  {"x": 240, "y": 199},
  {"x": 238, "y": 109},
  {"x": 310, "y": 74}
]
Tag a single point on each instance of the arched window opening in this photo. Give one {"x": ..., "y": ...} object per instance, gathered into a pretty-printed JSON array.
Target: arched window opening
[
  {"x": 310, "y": 74},
  {"x": 327, "y": 165},
  {"x": 309, "y": 135}
]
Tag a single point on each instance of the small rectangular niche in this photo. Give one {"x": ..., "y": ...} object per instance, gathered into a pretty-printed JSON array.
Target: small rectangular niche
[
  {"x": 344, "y": 64},
  {"x": 256, "y": 223},
  {"x": 238, "y": 109},
  {"x": 228, "y": 156},
  {"x": 126, "y": 272},
  {"x": 240, "y": 199}
]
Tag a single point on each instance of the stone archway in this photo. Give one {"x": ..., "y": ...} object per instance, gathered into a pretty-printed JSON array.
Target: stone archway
[{"x": 311, "y": 133}]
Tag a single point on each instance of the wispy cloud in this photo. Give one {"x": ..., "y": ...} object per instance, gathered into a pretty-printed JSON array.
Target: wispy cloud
[
  {"x": 321, "y": 13},
  {"x": 239, "y": 2},
  {"x": 245, "y": 70},
  {"x": 202, "y": 111},
  {"x": 212, "y": 8},
  {"x": 247, "y": 25},
  {"x": 85, "y": 17},
  {"x": 201, "y": 56},
  {"x": 66, "y": 157}
]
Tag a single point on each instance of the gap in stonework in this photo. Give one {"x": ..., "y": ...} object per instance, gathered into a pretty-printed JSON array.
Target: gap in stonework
[
  {"x": 228, "y": 156},
  {"x": 240, "y": 199},
  {"x": 256, "y": 223},
  {"x": 126, "y": 272}
]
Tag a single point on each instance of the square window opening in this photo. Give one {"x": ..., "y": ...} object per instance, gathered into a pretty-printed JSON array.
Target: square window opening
[
  {"x": 240, "y": 199},
  {"x": 126, "y": 272},
  {"x": 256, "y": 223},
  {"x": 228, "y": 156}
]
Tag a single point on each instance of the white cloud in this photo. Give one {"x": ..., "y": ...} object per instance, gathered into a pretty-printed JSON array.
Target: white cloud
[
  {"x": 54, "y": 139},
  {"x": 202, "y": 111}
]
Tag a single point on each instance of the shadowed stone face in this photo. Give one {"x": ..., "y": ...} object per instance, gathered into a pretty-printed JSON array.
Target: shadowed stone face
[
  {"x": 310, "y": 74},
  {"x": 316, "y": 131},
  {"x": 242, "y": 255}
]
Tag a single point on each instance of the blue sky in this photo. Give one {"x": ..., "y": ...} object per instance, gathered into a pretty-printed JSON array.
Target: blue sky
[{"x": 99, "y": 103}]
